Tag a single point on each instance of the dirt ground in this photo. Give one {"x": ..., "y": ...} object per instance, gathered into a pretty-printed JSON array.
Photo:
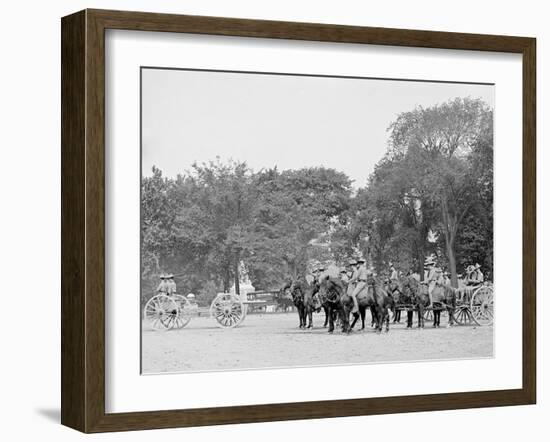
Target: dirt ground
[{"x": 274, "y": 340}]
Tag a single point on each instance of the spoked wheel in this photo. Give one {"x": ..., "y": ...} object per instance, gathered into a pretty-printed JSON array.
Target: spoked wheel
[
  {"x": 482, "y": 305},
  {"x": 463, "y": 315},
  {"x": 160, "y": 312},
  {"x": 228, "y": 310},
  {"x": 184, "y": 311}
]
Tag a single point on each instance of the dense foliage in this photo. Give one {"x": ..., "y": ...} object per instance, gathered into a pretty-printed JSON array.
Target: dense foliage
[{"x": 431, "y": 193}]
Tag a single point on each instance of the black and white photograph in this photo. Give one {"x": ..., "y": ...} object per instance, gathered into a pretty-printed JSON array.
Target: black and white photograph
[{"x": 293, "y": 220}]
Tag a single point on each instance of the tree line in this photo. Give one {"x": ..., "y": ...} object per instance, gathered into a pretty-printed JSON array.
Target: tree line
[{"x": 432, "y": 192}]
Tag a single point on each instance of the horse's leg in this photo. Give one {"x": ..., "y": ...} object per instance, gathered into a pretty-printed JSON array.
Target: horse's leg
[
  {"x": 420, "y": 313},
  {"x": 344, "y": 318},
  {"x": 330, "y": 321},
  {"x": 355, "y": 318},
  {"x": 325, "y": 308},
  {"x": 310, "y": 316},
  {"x": 409, "y": 318}
]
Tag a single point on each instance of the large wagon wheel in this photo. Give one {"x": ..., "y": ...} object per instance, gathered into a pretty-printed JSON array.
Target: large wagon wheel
[
  {"x": 184, "y": 311},
  {"x": 463, "y": 315},
  {"x": 481, "y": 305},
  {"x": 161, "y": 312},
  {"x": 228, "y": 310}
]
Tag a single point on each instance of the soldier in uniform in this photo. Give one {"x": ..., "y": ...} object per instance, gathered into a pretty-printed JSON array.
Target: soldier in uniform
[
  {"x": 430, "y": 276},
  {"x": 316, "y": 281},
  {"x": 359, "y": 282},
  {"x": 344, "y": 276},
  {"x": 162, "y": 287}
]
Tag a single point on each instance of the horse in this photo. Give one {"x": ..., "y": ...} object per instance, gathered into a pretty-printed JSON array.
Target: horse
[
  {"x": 416, "y": 295},
  {"x": 302, "y": 296},
  {"x": 443, "y": 298},
  {"x": 413, "y": 297},
  {"x": 395, "y": 290},
  {"x": 377, "y": 299},
  {"x": 283, "y": 299},
  {"x": 333, "y": 293}
]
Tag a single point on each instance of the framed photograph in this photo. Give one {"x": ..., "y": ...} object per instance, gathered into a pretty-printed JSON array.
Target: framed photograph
[{"x": 266, "y": 221}]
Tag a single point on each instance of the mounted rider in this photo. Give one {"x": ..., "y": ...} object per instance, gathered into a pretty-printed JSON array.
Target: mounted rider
[
  {"x": 358, "y": 281},
  {"x": 344, "y": 275},
  {"x": 316, "y": 273}
]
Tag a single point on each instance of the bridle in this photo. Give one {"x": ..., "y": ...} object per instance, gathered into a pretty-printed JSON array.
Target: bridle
[{"x": 330, "y": 295}]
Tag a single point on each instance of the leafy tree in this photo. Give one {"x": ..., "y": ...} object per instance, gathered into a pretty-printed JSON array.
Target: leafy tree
[{"x": 440, "y": 141}]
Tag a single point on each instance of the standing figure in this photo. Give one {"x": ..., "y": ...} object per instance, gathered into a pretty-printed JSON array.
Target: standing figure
[{"x": 430, "y": 276}]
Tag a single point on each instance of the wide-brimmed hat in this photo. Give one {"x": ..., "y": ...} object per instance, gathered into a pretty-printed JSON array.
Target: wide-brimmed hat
[
  {"x": 477, "y": 266},
  {"x": 169, "y": 276},
  {"x": 360, "y": 260},
  {"x": 162, "y": 276},
  {"x": 190, "y": 295},
  {"x": 429, "y": 261},
  {"x": 352, "y": 262}
]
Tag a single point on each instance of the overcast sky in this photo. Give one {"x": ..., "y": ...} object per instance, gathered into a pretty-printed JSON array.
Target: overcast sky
[{"x": 278, "y": 120}]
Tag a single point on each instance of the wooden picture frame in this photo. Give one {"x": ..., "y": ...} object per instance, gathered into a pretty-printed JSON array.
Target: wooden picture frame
[{"x": 83, "y": 220}]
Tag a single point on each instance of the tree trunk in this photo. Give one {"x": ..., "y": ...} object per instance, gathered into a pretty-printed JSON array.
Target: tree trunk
[
  {"x": 226, "y": 279},
  {"x": 452, "y": 261},
  {"x": 236, "y": 267},
  {"x": 450, "y": 227}
]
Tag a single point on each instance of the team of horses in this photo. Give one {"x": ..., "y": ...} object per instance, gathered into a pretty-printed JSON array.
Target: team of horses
[{"x": 381, "y": 299}]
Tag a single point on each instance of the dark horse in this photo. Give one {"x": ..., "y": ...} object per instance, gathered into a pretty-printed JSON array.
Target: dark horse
[
  {"x": 302, "y": 296},
  {"x": 375, "y": 297},
  {"x": 333, "y": 294},
  {"x": 413, "y": 296},
  {"x": 443, "y": 298},
  {"x": 395, "y": 290}
]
